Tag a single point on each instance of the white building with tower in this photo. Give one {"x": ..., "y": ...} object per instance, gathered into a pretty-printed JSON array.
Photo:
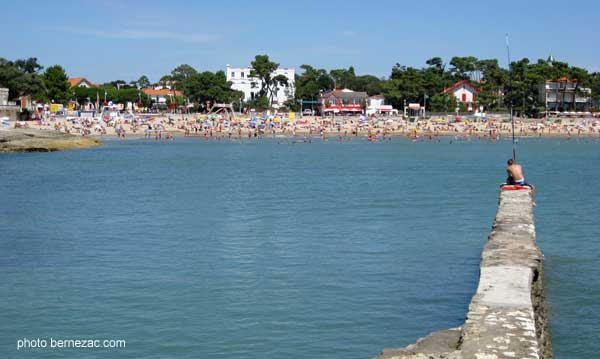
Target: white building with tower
[{"x": 240, "y": 80}]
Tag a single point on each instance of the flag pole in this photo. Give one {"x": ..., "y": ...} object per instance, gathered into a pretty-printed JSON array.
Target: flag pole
[{"x": 512, "y": 120}]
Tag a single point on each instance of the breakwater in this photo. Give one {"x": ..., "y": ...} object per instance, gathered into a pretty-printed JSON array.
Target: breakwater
[{"x": 508, "y": 316}]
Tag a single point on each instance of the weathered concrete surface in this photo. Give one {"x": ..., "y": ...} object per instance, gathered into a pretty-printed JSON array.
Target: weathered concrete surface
[
  {"x": 507, "y": 316},
  {"x": 25, "y": 140},
  {"x": 435, "y": 345}
]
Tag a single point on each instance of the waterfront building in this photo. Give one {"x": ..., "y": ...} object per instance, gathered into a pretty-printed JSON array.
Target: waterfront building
[
  {"x": 565, "y": 94},
  {"x": 18, "y": 103},
  {"x": 343, "y": 101},
  {"x": 376, "y": 105},
  {"x": 464, "y": 92},
  {"x": 81, "y": 82},
  {"x": 3, "y": 97},
  {"x": 240, "y": 80},
  {"x": 160, "y": 96},
  {"x": 8, "y": 109}
]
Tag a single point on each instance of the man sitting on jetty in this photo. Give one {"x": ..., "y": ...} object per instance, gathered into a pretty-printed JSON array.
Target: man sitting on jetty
[{"x": 516, "y": 178}]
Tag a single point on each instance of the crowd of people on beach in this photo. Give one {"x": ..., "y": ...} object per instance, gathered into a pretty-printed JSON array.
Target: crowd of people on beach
[{"x": 168, "y": 126}]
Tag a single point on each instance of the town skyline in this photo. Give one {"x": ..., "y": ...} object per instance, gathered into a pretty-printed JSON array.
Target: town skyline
[{"x": 120, "y": 40}]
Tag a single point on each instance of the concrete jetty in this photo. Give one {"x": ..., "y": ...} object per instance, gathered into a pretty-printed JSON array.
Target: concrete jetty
[{"x": 508, "y": 316}]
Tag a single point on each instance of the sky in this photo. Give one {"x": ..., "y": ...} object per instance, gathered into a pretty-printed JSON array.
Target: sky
[{"x": 105, "y": 40}]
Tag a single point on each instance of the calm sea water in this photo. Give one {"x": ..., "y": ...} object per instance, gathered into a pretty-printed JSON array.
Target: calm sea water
[{"x": 194, "y": 249}]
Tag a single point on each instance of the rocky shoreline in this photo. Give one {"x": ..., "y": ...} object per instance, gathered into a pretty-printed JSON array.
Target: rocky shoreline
[{"x": 31, "y": 140}]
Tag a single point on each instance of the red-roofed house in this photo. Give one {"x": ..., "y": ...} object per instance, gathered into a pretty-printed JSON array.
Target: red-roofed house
[
  {"x": 344, "y": 101},
  {"x": 464, "y": 91},
  {"x": 160, "y": 96},
  {"x": 81, "y": 82}
]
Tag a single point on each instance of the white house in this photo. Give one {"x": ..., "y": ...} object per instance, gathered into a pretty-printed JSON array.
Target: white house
[
  {"x": 250, "y": 86},
  {"x": 160, "y": 96},
  {"x": 376, "y": 105},
  {"x": 464, "y": 91}
]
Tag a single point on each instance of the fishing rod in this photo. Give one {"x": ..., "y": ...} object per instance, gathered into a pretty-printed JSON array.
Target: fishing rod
[{"x": 512, "y": 120}]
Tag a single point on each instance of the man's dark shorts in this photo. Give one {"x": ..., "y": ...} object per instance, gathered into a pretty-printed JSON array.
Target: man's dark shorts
[{"x": 518, "y": 183}]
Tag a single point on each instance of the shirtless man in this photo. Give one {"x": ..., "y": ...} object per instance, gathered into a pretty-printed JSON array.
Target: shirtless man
[{"x": 515, "y": 176}]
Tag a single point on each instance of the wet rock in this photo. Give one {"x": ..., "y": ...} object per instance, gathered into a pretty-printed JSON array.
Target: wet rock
[{"x": 26, "y": 140}]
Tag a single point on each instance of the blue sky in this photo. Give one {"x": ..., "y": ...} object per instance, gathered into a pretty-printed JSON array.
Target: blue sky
[{"x": 108, "y": 40}]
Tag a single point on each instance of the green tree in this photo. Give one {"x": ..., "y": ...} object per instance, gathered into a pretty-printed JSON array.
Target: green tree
[
  {"x": 85, "y": 94},
  {"x": 128, "y": 95},
  {"x": 120, "y": 84},
  {"x": 595, "y": 87},
  {"x": 212, "y": 87},
  {"x": 261, "y": 102},
  {"x": 28, "y": 66},
  {"x": 21, "y": 77},
  {"x": 437, "y": 63},
  {"x": 495, "y": 79},
  {"x": 57, "y": 84},
  {"x": 166, "y": 80},
  {"x": 312, "y": 82},
  {"x": 143, "y": 81},
  {"x": 463, "y": 67},
  {"x": 343, "y": 78},
  {"x": 181, "y": 75},
  {"x": 405, "y": 84},
  {"x": 262, "y": 69},
  {"x": 292, "y": 105},
  {"x": 444, "y": 102},
  {"x": 367, "y": 83}
]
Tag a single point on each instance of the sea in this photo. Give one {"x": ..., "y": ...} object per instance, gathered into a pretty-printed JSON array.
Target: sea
[{"x": 279, "y": 248}]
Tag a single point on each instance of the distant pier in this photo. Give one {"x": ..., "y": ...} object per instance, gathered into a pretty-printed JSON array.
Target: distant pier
[{"x": 508, "y": 316}]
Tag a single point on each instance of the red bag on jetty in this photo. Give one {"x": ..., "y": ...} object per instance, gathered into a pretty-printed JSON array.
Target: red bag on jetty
[{"x": 515, "y": 187}]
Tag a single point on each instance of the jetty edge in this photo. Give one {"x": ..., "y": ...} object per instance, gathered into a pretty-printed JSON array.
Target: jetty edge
[
  {"x": 508, "y": 315},
  {"x": 33, "y": 140}
]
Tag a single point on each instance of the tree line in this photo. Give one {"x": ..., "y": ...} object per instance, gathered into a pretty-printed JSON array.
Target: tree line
[
  {"x": 25, "y": 77},
  {"x": 426, "y": 85},
  {"x": 498, "y": 89}
]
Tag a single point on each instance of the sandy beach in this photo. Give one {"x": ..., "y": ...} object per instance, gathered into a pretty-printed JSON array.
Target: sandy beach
[{"x": 168, "y": 126}]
